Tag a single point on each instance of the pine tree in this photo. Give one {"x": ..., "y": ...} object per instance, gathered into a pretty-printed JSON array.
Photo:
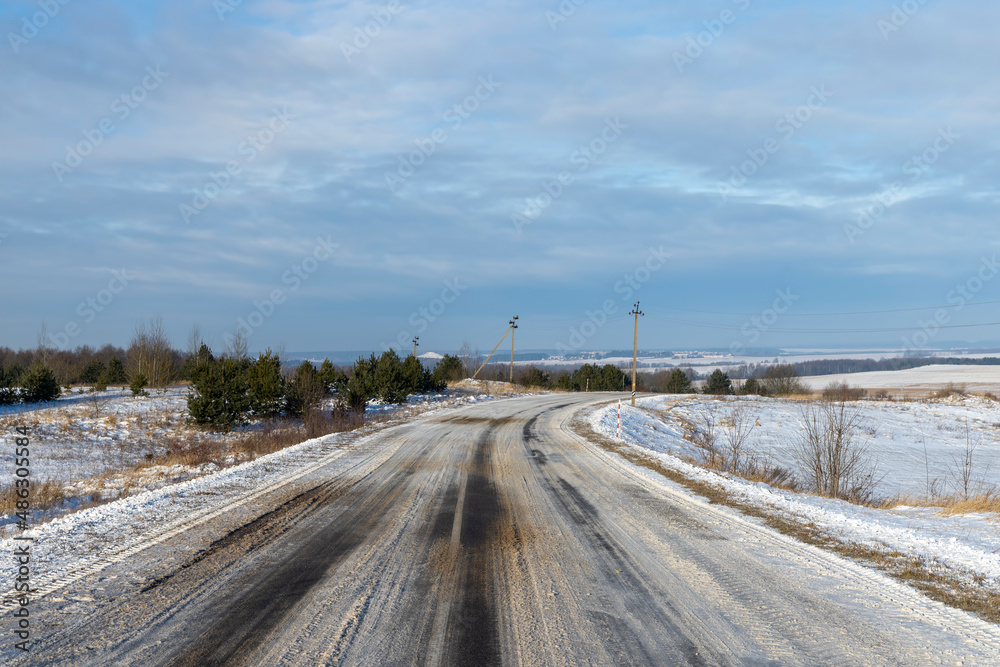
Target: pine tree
[
  {"x": 92, "y": 372},
  {"x": 115, "y": 373},
  {"x": 304, "y": 391},
  {"x": 8, "y": 394},
  {"x": 678, "y": 383},
  {"x": 39, "y": 384},
  {"x": 220, "y": 395},
  {"x": 449, "y": 369},
  {"x": 138, "y": 385},
  {"x": 266, "y": 386},
  {"x": 718, "y": 383},
  {"x": 390, "y": 384}
]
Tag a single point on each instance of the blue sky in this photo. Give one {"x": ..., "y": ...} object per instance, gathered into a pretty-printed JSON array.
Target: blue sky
[{"x": 343, "y": 175}]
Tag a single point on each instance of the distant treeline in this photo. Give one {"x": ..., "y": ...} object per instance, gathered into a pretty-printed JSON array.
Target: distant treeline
[{"x": 838, "y": 366}]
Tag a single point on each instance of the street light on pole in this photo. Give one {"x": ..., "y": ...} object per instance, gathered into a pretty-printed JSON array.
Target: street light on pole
[
  {"x": 513, "y": 325},
  {"x": 635, "y": 346}
]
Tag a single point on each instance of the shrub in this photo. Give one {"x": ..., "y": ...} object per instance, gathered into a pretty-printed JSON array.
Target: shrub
[
  {"x": 841, "y": 391},
  {"x": 780, "y": 380},
  {"x": 835, "y": 462}
]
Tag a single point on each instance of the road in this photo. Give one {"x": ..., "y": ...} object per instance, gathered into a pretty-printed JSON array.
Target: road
[{"x": 495, "y": 535}]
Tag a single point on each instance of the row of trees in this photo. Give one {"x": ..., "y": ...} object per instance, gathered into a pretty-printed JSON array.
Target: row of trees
[{"x": 227, "y": 391}]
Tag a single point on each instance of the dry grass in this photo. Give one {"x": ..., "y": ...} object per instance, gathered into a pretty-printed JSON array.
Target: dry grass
[
  {"x": 951, "y": 389},
  {"x": 957, "y": 589},
  {"x": 987, "y": 502},
  {"x": 43, "y": 496}
]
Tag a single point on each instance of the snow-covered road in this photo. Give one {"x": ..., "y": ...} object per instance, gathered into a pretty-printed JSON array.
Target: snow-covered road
[{"x": 486, "y": 535}]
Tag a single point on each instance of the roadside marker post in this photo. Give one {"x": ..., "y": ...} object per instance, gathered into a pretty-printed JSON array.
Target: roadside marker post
[{"x": 618, "y": 432}]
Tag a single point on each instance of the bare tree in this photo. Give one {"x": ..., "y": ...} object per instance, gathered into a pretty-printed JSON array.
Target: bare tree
[
  {"x": 963, "y": 467},
  {"x": 742, "y": 424},
  {"x": 705, "y": 437},
  {"x": 194, "y": 340},
  {"x": 149, "y": 354},
  {"x": 238, "y": 347},
  {"x": 834, "y": 459}
]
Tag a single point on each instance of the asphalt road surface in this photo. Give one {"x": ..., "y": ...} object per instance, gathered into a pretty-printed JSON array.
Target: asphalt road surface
[{"x": 495, "y": 535}]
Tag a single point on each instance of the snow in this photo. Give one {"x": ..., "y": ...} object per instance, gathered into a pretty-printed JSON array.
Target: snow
[
  {"x": 975, "y": 378},
  {"x": 969, "y": 543}
]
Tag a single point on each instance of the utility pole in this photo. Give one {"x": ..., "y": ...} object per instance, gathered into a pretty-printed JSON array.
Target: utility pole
[
  {"x": 635, "y": 346},
  {"x": 513, "y": 325},
  {"x": 415, "y": 344}
]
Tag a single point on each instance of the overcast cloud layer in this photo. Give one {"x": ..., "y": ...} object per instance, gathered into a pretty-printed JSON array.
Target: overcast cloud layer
[{"x": 360, "y": 172}]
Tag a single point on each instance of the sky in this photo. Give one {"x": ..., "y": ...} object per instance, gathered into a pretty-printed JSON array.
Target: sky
[{"x": 329, "y": 175}]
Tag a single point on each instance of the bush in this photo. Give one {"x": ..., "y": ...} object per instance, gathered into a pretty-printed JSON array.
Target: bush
[
  {"x": 39, "y": 384},
  {"x": 841, "y": 391},
  {"x": 835, "y": 462},
  {"x": 780, "y": 380}
]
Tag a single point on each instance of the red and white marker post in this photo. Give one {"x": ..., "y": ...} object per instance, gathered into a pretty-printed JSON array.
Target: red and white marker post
[{"x": 618, "y": 433}]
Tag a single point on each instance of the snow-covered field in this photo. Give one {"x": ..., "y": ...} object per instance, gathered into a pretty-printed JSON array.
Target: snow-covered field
[
  {"x": 899, "y": 431},
  {"x": 916, "y": 380}
]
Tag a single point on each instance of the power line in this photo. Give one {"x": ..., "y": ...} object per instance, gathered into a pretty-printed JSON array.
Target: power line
[
  {"x": 831, "y": 313},
  {"x": 730, "y": 327}
]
